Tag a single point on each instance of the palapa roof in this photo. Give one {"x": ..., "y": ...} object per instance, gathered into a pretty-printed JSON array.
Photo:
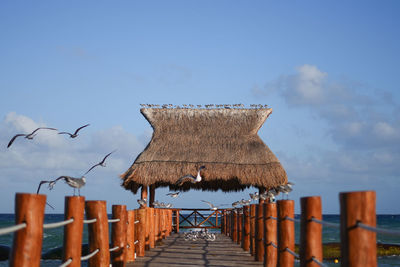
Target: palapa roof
[{"x": 224, "y": 140}]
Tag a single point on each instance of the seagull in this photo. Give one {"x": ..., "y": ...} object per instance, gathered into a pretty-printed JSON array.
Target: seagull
[
  {"x": 212, "y": 207},
  {"x": 142, "y": 202},
  {"x": 101, "y": 163},
  {"x": 173, "y": 195},
  {"x": 75, "y": 183},
  {"x": 28, "y": 136},
  {"x": 75, "y": 134},
  {"x": 190, "y": 177},
  {"x": 235, "y": 204},
  {"x": 286, "y": 189},
  {"x": 254, "y": 196},
  {"x": 37, "y": 192}
]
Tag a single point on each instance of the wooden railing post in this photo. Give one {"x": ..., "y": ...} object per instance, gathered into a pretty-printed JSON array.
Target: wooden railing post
[
  {"x": 159, "y": 230},
  {"x": 358, "y": 245},
  {"x": 74, "y": 207},
  {"x": 147, "y": 228},
  {"x": 130, "y": 236},
  {"x": 246, "y": 228},
  {"x": 252, "y": 229},
  {"x": 98, "y": 233},
  {"x": 156, "y": 224},
  {"x": 235, "y": 225},
  {"x": 259, "y": 232},
  {"x": 141, "y": 232},
  {"x": 176, "y": 221},
  {"x": 223, "y": 222},
  {"x": 239, "y": 226},
  {"x": 27, "y": 242},
  {"x": 270, "y": 235},
  {"x": 118, "y": 235},
  {"x": 151, "y": 232},
  {"x": 285, "y": 232},
  {"x": 310, "y": 232},
  {"x": 230, "y": 229}
]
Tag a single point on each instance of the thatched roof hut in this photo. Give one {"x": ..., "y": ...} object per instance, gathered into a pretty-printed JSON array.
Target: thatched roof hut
[{"x": 224, "y": 140}]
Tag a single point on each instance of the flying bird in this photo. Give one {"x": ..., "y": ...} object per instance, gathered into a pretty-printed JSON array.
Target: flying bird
[
  {"x": 28, "y": 136},
  {"x": 75, "y": 134},
  {"x": 173, "y": 195},
  {"x": 191, "y": 178},
  {"x": 37, "y": 192},
  {"x": 212, "y": 207},
  {"x": 75, "y": 183},
  {"x": 101, "y": 163}
]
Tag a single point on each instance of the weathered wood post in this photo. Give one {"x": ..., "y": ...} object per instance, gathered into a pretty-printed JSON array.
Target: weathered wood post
[
  {"x": 118, "y": 235},
  {"x": 143, "y": 195},
  {"x": 130, "y": 237},
  {"x": 230, "y": 226},
  {"x": 223, "y": 221},
  {"x": 169, "y": 222},
  {"x": 358, "y": 245},
  {"x": 259, "y": 232},
  {"x": 151, "y": 232},
  {"x": 147, "y": 229},
  {"x": 141, "y": 232},
  {"x": 285, "y": 232},
  {"x": 74, "y": 207},
  {"x": 27, "y": 242},
  {"x": 159, "y": 230},
  {"x": 246, "y": 228},
  {"x": 156, "y": 224},
  {"x": 252, "y": 229},
  {"x": 152, "y": 195},
  {"x": 98, "y": 233},
  {"x": 239, "y": 226},
  {"x": 310, "y": 232},
  {"x": 270, "y": 235},
  {"x": 163, "y": 223},
  {"x": 235, "y": 225},
  {"x": 176, "y": 221}
]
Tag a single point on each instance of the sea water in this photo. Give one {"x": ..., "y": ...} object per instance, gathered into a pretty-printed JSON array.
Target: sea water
[{"x": 53, "y": 238}]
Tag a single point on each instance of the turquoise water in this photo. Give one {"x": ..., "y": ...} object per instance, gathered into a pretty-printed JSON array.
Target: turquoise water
[{"x": 53, "y": 238}]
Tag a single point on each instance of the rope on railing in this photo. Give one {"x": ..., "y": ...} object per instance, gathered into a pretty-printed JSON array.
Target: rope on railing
[
  {"x": 271, "y": 244},
  {"x": 114, "y": 220},
  {"x": 57, "y": 224},
  {"x": 318, "y": 262},
  {"x": 136, "y": 222},
  {"x": 292, "y": 252},
  {"x": 83, "y": 258},
  {"x": 114, "y": 248},
  {"x": 90, "y": 221},
  {"x": 272, "y": 218},
  {"x": 290, "y": 219},
  {"x": 65, "y": 264},
  {"x": 377, "y": 230},
  {"x": 336, "y": 225},
  {"x": 11, "y": 229}
]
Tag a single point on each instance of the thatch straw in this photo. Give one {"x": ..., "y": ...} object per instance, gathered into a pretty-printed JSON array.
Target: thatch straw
[{"x": 224, "y": 140}]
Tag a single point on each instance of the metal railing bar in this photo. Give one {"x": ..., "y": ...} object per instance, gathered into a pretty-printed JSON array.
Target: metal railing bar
[
  {"x": 57, "y": 224},
  {"x": 336, "y": 225},
  {"x": 271, "y": 244},
  {"x": 114, "y": 248},
  {"x": 114, "y": 220},
  {"x": 378, "y": 230},
  {"x": 11, "y": 229},
  {"x": 90, "y": 221},
  {"x": 318, "y": 262},
  {"x": 65, "y": 264},
  {"x": 292, "y": 252},
  {"x": 83, "y": 258}
]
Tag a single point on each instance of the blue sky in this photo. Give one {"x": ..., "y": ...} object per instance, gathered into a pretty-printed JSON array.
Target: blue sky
[{"x": 329, "y": 70}]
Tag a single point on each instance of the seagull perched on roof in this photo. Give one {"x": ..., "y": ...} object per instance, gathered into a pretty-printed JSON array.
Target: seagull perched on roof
[
  {"x": 28, "y": 136},
  {"x": 191, "y": 178},
  {"x": 173, "y": 195},
  {"x": 75, "y": 183},
  {"x": 101, "y": 163},
  {"x": 212, "y": 207},
  {"x": 75, "y": 134}
]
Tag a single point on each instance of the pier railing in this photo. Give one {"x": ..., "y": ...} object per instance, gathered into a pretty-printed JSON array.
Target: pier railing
[{"x": 199, "y": 218}]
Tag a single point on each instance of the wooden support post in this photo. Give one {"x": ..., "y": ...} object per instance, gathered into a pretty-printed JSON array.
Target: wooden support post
[
  {"x": 358, "y": 245},
  {"x": 285, "y": 232},
  {"x": 270, "y": 235},
  {"x": 163, "y": 223},
  {"x": 239, "y": 226},
  {"x": 27, "y": 242},
  {"x": 143, "y": 195},
  {"x": 151, "y": 233},
  {"x": 98, "y": 233},
  {"x": 74, "y": 207},
  {"x": 159, "y": 230},
  {"x": 147, "y": 229},
  {"x": 310, "y": 232},
  {"x": 230, "y": 228},
  {"x": 223, "y": 222},
  {"x": 152, "y": 195},
  {"x": 246, "y": 228},
  {"x": 260, "y": 192},
  {"x": 176, "y": 221},
  {"x": 118, "y": 235},
  {"x": 156, "y": 224},
  {"x": 252, "y": 229},
  {"x": 235, "y": 225},
  {"x": 141, "y": 232},
  {"x": 130, "y": 237},
  {"x": 168, "y": 222},
  {"x": 259, "y": 251}
]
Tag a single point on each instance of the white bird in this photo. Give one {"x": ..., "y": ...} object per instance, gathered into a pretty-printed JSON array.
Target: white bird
[
  {"x": 244, "y": 202},
  {"x": 28, "y": 136},
  {"x": 101, "y": 163},
  {"x": 173, "y": 195},
  {"x": 75, "y": 183},
  {"x": 254, "y": 196},
  {"x": 75, "y": 134},
  {"x": 286, "y": 189},
  {"x": 235, "y": 204},
  {"x": 142, "y": 202},
  {"x": 212, "y": 207},
  {"x": 191, "y": 178}
]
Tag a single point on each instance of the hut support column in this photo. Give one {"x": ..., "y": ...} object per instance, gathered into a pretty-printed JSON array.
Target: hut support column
[
  {"x": 144, "y": 194},
  {"x": 152, "y": 195}
]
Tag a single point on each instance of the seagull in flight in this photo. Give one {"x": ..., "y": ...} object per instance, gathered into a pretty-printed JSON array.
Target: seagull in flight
[
  {"x": 75, "y": 183},
  {"x": 173, "y": 195},
  {"x": 28, "y": 136},
  {"x": 191, "y": 178},
  {"x": 75, "y": 134},
  {"x": 212, "y": 207},
  {"x": 37, "y": 192},
  {"x": 101, "y": 163}
]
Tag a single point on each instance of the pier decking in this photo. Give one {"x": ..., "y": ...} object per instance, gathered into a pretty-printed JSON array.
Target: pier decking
[{"x": 175, "y": 251}]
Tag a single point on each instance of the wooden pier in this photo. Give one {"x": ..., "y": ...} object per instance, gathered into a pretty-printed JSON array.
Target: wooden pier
[{"x": 175, "y": 251}]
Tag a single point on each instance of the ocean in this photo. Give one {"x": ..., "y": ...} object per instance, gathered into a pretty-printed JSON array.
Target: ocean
[{"x": 53, "y": 238}]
